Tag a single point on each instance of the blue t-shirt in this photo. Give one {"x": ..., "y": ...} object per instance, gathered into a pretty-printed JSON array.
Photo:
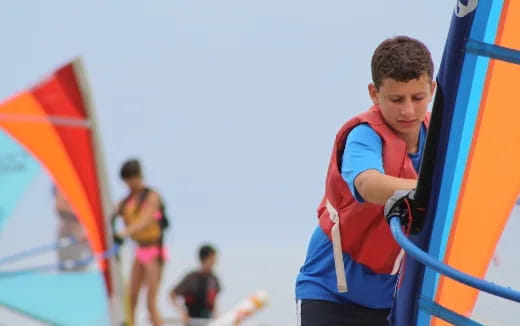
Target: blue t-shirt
[{"x": 317, "y": 277}]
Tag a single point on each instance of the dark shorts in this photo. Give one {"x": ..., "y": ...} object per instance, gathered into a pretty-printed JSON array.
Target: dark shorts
[{"x": 324, "y": 313}]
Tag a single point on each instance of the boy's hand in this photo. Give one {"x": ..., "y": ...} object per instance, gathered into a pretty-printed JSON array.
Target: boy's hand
[{"x": 403, "y": 205}]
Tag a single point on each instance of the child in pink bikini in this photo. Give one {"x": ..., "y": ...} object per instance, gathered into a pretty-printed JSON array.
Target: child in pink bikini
[{"x": 142, "y": 212}]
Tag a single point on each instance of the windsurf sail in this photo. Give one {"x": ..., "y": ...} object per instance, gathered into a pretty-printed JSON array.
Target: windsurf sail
[
  {"x": 58, "y": 265},
  {"x": 469, "y": 180}
]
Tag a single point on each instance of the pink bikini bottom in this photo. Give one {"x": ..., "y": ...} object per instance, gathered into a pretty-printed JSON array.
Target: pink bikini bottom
[{"x": 144, "y": 255}]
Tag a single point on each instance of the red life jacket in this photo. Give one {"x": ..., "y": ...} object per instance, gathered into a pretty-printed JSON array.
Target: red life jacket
[{"x": 360, "y": 229}]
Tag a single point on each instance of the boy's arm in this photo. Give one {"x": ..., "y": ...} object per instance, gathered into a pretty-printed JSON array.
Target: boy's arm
[
  {"x": 182, "y": 289},
  {"x": 362, "y": 168},
  {"x": 181, "y": 309},
  {"x": 376, "y": 187},
  {"x": 214, "y": 311}
]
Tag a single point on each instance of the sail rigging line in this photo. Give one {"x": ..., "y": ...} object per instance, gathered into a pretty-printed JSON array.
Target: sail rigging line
[
  {"x": 112, "y": 252},
  {"x": 26, "y": 253},
  {"x": 444, "y": 269}
]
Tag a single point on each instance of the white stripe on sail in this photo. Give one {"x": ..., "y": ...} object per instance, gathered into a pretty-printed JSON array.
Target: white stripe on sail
[{"x": 53, "y": 119}]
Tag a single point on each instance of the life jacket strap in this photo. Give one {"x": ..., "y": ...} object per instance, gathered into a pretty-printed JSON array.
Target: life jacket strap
[{"x": 339, "y": 265}]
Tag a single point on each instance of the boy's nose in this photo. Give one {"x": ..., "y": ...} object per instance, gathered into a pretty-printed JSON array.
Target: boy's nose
[{"x": 407, "y": 107}]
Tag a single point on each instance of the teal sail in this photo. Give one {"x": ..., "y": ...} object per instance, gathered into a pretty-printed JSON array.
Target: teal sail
[
  {"x": 17, "y": 170},
  {"x": 57, "y": 259},
  {"x": 47, "y": 295}
]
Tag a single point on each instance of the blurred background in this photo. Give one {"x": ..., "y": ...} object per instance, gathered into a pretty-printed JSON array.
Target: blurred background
[{"x": 231, "y": 106}]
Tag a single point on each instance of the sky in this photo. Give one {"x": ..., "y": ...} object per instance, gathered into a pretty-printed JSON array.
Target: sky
[{"x": 232, "y": 106}]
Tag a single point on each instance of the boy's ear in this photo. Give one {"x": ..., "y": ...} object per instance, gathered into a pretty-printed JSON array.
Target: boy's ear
[
  {"x": 373, "y": 93},
  {"x": 433, "y": 86}
]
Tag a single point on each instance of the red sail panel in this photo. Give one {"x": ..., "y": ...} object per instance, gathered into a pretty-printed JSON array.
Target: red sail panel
[
  {"x": 52, "y": 123},
  {"x": 26, "y": 121},
  {"x": 60, "y": 98}
]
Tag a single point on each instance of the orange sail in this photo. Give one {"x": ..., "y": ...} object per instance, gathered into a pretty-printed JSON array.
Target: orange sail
[{"x": 55, "y": 124}]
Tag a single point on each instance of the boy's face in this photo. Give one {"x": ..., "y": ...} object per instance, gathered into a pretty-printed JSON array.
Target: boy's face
[
  {"x": 209, "y": 262},
  {"x": 404, "y": 104},
  {"x": 134, "y": 183}
]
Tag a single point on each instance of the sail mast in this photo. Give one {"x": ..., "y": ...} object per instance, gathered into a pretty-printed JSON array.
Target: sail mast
[{"x": 116, "y": 284}]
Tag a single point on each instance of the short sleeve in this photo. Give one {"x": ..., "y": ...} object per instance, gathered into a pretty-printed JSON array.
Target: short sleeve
[
  {"x": 186, "y": 286},
  {"x": 363, "y": 151}
]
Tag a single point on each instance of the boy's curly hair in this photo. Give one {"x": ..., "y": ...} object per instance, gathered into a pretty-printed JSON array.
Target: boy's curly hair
[{"x": 401, "y": 58}]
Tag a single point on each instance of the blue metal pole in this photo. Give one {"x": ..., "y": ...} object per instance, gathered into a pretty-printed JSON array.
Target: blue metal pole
[{"x": 427, "y": 260}]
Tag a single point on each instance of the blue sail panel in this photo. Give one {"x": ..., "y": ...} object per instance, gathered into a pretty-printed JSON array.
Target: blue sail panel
[
  {"x": 68, "y": 299},
  {"x": 17, "y": 170}
]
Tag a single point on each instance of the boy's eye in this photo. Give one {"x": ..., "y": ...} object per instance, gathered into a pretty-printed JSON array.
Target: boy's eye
[
  {"x": 397, "y": 100},
  {"x": 418, "y": 98}
]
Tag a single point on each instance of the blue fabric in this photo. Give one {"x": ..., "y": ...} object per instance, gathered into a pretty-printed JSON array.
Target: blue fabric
[
  {"x": 19, "y": 169},
  {"x": 317, "y": 277},
  {"x": 364, "y": 151},
  {"x": 75, "y": 299}
]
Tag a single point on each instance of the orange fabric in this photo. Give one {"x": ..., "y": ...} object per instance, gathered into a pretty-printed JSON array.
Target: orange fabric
[
  {"x": 492, "y": 178},
  {"x": 41, "y": 139},
  {"x": 151, "y": 233}
]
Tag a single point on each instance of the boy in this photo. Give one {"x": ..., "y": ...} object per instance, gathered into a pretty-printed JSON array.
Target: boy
[
  {"x": 349, "y": 274},
  {"x": 199, "y": 289}
]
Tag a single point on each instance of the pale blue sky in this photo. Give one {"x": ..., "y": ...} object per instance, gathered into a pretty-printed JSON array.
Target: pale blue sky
[{"x": 231, "y": 105}]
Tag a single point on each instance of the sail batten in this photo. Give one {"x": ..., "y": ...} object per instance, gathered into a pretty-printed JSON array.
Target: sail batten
[{"x": 493, "y": 51}]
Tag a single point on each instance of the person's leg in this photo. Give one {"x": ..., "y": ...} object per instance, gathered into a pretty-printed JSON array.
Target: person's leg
[
  {"x": 321, "y": 313},
  {"x": 153, "y": 279},
  {"x": 363, "y": 316},
  {"x": 136, "y": 282}
]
